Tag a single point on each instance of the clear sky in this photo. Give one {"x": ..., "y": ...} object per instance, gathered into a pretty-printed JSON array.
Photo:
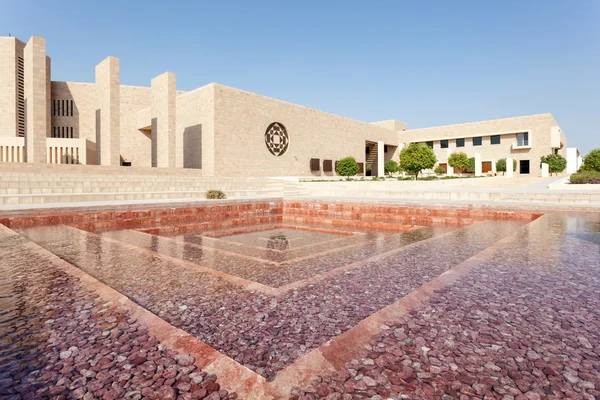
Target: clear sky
[{"x": 423, "y": 62}]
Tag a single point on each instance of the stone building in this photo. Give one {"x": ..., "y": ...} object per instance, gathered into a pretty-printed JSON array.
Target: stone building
[{"x": 218, "y": 129}]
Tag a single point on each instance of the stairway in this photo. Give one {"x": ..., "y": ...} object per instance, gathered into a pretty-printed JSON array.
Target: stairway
[{"x": 372, "y": 156}]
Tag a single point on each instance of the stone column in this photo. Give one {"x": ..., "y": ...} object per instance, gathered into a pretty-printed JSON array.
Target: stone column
[
  {"x": 163, "y": 121},
  {"x": 108, "y": 112},
  {"x": 380, "y": 170},
  {"x": 478, "y": 168},
  {"x": 494, "y": 171},
  {"x": 545, "y": 170},
  {"x": 509, "y": 167},
  {"x": 36, "y": 68}
]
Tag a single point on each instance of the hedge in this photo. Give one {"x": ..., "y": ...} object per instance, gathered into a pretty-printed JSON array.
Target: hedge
[{"x": 589, "y": 177}]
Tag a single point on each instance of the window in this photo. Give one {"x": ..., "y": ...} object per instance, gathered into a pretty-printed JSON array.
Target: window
[
  {"x": 460, "y": 142},
  {"x": 385, "y": 148},
  {"x": 495, "y": 139},
  {"x": 62, "y": 108},
  {"x": 524, "y": 166},
  {"x": 63, "y": 132},
  {"x": 327, "y": 165},
  {"x": 444, "y": 144},
  {"x": 315, "y": 164},
  {"x": 522, "y": 139},
  {"x": 429, "y": 144},
  {"x": 477, "y": 141}
]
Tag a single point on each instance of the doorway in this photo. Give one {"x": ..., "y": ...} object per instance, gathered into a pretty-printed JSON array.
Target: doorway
[{"x": 524, "y": 166}]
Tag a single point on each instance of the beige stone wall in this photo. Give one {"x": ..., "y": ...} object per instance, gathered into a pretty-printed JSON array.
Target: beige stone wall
[
  {"x": 83, "y": 120},
  {"x": 538, "y": 126},
  {"x": 241, "y": 119},
  {"x": 36, "y": 99},
  {"x": 163, "y": 115},
  {"x": 195, "y": 137},
  {"x": 8, "y": 86},
  {"x": 108, "y": 112},
  {"x": 136, "y": 145}
]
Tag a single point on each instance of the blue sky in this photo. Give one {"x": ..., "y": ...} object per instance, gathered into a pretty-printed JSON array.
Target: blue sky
[{"x": 423, "y": 62}]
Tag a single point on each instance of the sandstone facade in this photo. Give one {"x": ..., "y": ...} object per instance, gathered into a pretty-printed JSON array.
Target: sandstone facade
[{"x": 218, "y": 129}]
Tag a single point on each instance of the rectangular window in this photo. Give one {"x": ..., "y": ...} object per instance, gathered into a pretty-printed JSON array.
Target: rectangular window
[
  {"x": 62, "y": 132},
  {"x": 53, "y": 107},
  {"x": 495, "y": 139},
  {"x": 477, "y": 141},
  {"x": 71, "y": 108},
  {"x": 460, "y": 142},
  {"x": 327, "y": 165},
  {"x": 524, "y": 166},
  {"x": 385, "y": 148},
  {"x": 522, "y": 139},
  {"x": 429, "y": 144},
  {"x": 315, "y": 164},
  {"x": 444, "y": 144},
  {"x": 62, "y": 108}
]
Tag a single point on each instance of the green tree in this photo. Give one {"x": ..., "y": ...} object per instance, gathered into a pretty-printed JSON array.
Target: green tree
[
  {"x": 390, "y": 167},
  {"x": 439, "y": 170},
  {"x": 459, "y": 161},
  {"x": 501, "y": 165},
  {"x": 471, "y": 165},
  {"x": 591, "y": 162},
  {"x": 556, "y": 163},
  {"x": 416, "y": 157},
  {"x": 347, "y": 167}
]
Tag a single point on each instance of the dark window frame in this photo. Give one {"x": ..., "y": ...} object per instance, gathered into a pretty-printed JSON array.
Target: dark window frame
[
  {"x": 479, "y": 139},
  {"x": 315, "y": 164},
  {"x": 444, "y": 144},
  {"x": 495, "y": 139},
  {"x": 429, "y": 144},
  {"x": 460, "y": 142}
]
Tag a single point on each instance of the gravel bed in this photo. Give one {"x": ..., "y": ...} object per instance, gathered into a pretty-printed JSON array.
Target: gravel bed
[
  {"x": 523, "y": 326},
  {"x": 262, "y": 332},
  {"x": 276, "y": 275},
  {"x": 60, "y": 341}
]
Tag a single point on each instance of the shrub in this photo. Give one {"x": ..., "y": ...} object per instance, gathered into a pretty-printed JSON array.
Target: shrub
[
  {"x": 556, "y": 163},
  {"x": 390, "y": 167},
  {"x": 215, "y": 194},
  {"x": 417, "y": 157},
  {"x": 587, "y": 177},
  {"x": 347, "y": 167},
  {"x": 471, "y": 165},
  {"x": 439, "y": 170},
  {"x": 591, "y": 162},
  {"x": 501, "y": 165},
  {"x": 459, "y": 161}
]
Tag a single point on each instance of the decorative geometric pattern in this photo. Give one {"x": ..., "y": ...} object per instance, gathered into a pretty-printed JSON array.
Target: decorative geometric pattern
[{"x": 277, "y": 139}]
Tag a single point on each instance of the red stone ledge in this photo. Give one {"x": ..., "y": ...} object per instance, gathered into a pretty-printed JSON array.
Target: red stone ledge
[{"x": 164, "y": 215}]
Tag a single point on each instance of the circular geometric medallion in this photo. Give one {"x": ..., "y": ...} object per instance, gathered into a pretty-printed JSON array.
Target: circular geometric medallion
[{"x": 277, "y": 139}]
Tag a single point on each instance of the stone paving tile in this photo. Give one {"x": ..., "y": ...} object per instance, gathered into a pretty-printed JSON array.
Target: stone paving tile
[
  {"x": 60, "y": 341},
  {"x": 524, "y": 325},
  {"x": 262, "y": 332}
]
